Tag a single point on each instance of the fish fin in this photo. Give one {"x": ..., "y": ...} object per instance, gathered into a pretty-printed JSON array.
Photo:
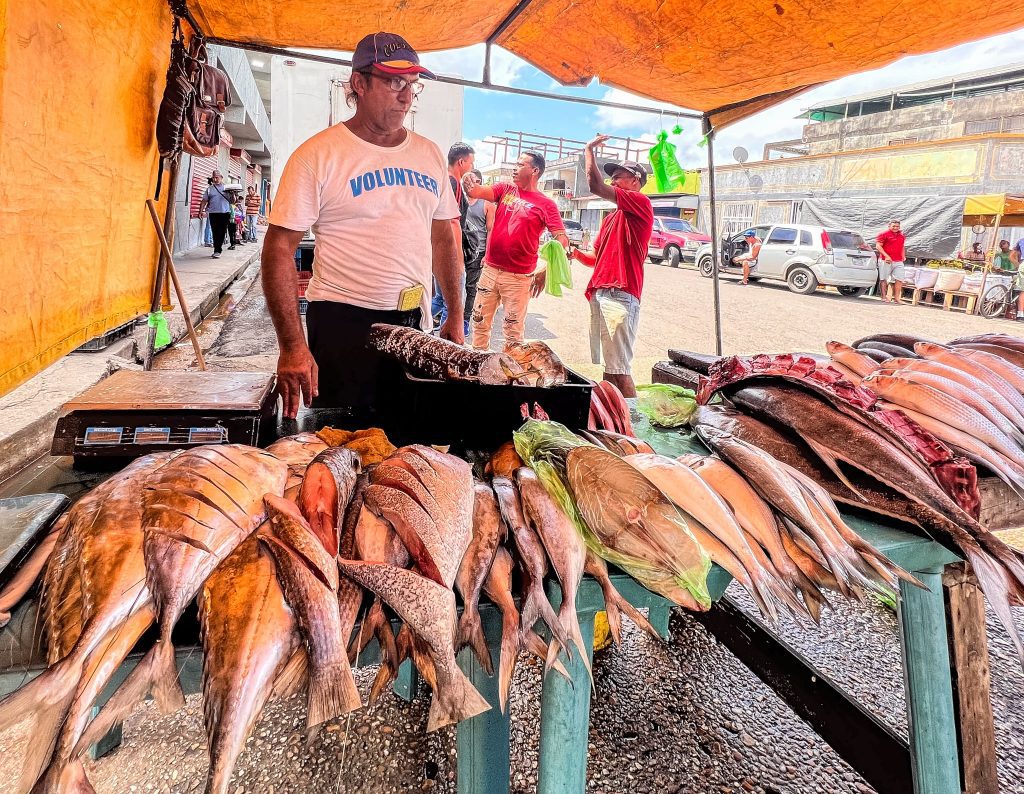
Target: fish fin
[
  {"x": 832, "y": 463},
  {"x": 546, "y": 613},
  {"x": 999, "y": 589},
  {"x": 533, "y": 643},
  {"x": 181, "y": 538},
  {"x": 166, "y": 688},
  {"x": 273, "y": 542},
  {"x": 613, "y": 613},
  {"x": 132, "y": 691},
  {"x": 471, "y": 633},
  {"x": 455, "y": 699},
  {"x": 292, "y": 677},
  {"x": 569, "y": 619},
  {"x": 332, "y": 692},
  {"x": 421, "y": 658},
  {"x": 386, "y": 640},
  {"x": 385, "y": 676}
]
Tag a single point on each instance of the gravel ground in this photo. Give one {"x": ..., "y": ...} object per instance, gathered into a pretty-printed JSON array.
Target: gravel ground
[{"x": 685, "y": 716}]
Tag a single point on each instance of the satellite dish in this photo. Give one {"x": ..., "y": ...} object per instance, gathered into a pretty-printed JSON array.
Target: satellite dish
[{"x": 740, "y": 155}]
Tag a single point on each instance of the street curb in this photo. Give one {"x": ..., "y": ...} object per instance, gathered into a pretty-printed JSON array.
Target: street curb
[{"x": 32, "y": 440}]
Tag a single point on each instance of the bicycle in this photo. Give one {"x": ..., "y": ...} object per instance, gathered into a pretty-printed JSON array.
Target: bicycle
[{"x": 998, "y": 298}]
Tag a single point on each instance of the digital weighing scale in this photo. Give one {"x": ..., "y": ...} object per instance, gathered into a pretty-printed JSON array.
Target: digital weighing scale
[{"x": 134, "y": 413}]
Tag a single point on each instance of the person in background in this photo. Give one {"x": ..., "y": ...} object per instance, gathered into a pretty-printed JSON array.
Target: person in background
[
  {"x": 218, "y": 201},
  {"x": 1018, "y": 251},
  {"x": 509, "y": 277},
  {"x": 239, "y": 218},
  {"x": 1003, "y": 258},
  {"x": 252, "y": 213},
  {"x": 207, "y": 230},
  {"x": 479, "y": 220},
  {"x": 358, "y": 184},
  {"x": 748, "y": 259},
  {"x": 975, "y": 254},
  {"x": 460, "y": 161},
  {"x": 891, "y": 245},
  {"x": 618, "y": 261}
]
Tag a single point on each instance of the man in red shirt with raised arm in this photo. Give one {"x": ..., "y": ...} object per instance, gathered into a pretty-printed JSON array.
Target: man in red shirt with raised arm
[
  {"x": 891, "y": 246},
  {"x": 618, "y": 261},
  {"x": 508, "y": 277}
]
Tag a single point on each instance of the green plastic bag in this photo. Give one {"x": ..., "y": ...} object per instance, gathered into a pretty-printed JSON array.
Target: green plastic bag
[
  {"x": 559, "y": 273},
  {"x": 162, "y": 337},
  {"x": 668, "y": 174},
  {"x": 666, "y": 404}
]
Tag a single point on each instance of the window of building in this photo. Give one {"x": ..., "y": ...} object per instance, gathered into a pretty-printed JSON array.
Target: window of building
[
  {"x": 737, "y": 216},
  {"x": 1013, "y": 124},
  {"x": 782, "y": 236},
  {"x": 982, "y": 126},
  {"x": 898, "y": 141}
]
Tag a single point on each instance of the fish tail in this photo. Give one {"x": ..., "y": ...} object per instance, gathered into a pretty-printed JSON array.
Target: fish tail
[
  {"x": 386, "y": 640},
  {"x": 332, "y": 692},
  {"x": 547, "y": 614},
  {"x": 68, "y": 779},
  {"x": 387, "y": 673},
  {"x": 471, "y": 633},
  {"x": 421, "y": 658},
  {"x": 292, "y": 678},
  {"x": 999, "y": 588},
  {"x": 367, "y": 631},
  {"x": 814, "y": 599},
  {"x": 568, "y": 617},
  {"x": 508, "y": 656},
  {"x": 455, "y": 698},
  {"x": 534, "y": 644},
  {"x": 613, "y": 612},
  {"x": 166, "y": 688}
]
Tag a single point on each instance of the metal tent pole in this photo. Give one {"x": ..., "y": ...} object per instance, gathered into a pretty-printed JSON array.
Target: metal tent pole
[{"x": 709, "y": 133}]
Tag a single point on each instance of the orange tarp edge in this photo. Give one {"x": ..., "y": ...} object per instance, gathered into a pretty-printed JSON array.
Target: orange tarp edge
[{"x": 80, "y": 84}]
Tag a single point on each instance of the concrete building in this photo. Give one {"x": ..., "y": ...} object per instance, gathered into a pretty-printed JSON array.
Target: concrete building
[
  {"x": 244, "y": 156},
  {"x": 951, "y": 138},
  {"x": 310, "y": 97}
]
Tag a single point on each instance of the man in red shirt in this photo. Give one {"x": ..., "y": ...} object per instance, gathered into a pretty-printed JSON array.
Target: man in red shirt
[
  {"x": 520, "y": 217},
  {"x": 618, "y": 261},
  {"x": 891, "y": 246}
]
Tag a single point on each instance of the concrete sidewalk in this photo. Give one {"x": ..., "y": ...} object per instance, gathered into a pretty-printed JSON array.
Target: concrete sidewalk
[{"x": 28, "y": 414}]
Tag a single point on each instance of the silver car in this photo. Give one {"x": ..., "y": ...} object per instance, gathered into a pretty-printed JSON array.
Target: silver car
[{"x": 805, "y": 257}]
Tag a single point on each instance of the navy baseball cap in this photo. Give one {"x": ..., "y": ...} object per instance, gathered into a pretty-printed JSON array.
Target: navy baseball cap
[
  {"x": 750, "y": 233},
  {"x": 635, "y": 169},
  {"x": 388, "y": 53}
]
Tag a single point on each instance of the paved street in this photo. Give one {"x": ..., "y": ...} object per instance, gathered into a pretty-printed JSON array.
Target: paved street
[{"x": 765, "y": 317}]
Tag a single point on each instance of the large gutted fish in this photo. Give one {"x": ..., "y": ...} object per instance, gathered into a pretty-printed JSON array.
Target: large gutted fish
[
  {"x": 297, "y": 451},
  {"x": 488, "y": 533},
  {"x": 98, "y": 566},
  {"x": 249, "y": 635},
  {"x": 196, "y": 510},
  {"x": 326, "y": 490},
  {"x": 851, "y": 359},
  {"x": 309, "y": 578},
  {"x": 565, "y": 549},
  {"x": 498, "y": 587},
  {"x": 1011, "y": 356},
  {"x": 429, "y": 609},
  {"x": 1002, "y": 340},
  {"x": 973, "y": 365},
  {"x": 437, "y": 358},
  {"x": 540, "y": 366}
]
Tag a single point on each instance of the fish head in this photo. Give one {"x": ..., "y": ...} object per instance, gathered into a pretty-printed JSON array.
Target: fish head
[
  {"x": 894, "y": 364},
  {"x": 837, "y": 347},
  {"x": 931, "y": 349}
]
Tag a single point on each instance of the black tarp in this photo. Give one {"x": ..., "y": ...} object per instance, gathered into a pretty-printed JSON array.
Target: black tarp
[{"x": 932, "y": 224}]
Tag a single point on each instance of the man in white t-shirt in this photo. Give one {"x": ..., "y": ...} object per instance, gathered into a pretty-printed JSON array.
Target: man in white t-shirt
[{"x": 377, "y": 198}]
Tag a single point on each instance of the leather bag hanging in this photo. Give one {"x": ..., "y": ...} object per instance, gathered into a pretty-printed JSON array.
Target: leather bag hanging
[
  {"x": 170, "y": 120},
  {"x": 211, "y": 95}
]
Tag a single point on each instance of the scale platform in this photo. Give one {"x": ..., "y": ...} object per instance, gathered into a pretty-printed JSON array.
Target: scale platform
[{"x": 134, "y": 413}]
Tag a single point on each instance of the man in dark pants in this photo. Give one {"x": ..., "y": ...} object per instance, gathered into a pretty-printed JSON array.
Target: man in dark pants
[
  {"x": 358, "y": 184},
  {"x": 218, "y": 201},
  {"x": 479, "y": 219}
]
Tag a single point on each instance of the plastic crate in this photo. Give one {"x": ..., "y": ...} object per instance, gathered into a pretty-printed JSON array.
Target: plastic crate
[
  {"x": 111, "y": 336},
  {"x": 472, "y": 416}
]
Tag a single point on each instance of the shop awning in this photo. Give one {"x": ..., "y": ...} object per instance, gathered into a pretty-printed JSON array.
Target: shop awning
[
  {"x": 728, "y": 58},
  {"x": 994, "y": 204}
]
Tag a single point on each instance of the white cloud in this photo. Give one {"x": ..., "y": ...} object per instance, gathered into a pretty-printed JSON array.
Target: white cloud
[{"x": 780, "y": 122}]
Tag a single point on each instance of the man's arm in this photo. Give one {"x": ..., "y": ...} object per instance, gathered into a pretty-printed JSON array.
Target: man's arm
[
  {"x": 296, "y": 369},
  {"x": 594, "y": 178},
  {"x": 489, "y": 215},
  {"x": 582, "y": 256},
  {"x": 485, "y": 192},
  {"x": 881, "y": 251},
  {"x": 204, "y": 203},
  {"x": 449, "y": 272}
]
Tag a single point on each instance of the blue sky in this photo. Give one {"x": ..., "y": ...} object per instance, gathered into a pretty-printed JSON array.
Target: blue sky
[{"x": 489, "y": 113}]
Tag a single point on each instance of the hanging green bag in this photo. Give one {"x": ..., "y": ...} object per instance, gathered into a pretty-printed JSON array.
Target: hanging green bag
[
  {"x": 559, "y": 273},
  {"x": 669, "y": 176}
]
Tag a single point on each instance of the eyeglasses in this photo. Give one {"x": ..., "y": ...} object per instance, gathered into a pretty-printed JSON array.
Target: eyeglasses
[{"x": 398, "y": 84}]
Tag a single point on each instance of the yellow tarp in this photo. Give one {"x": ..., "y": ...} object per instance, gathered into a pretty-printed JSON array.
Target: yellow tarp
[
  {"x": 705, "y": 55},
  {"x": 994, "y": 204},
  {"x": 80, "y": 82}
]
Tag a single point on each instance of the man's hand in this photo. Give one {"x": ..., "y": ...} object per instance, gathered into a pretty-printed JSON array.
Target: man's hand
[
  {"x": 453, "y": 330},
  {"x": 297, "y": 377},
  {"x": 598, "y": 140},
  {"x": 540, "y": 279}
]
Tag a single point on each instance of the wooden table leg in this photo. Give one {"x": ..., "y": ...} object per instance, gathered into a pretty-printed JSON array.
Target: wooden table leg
[
  {"x": 933, "y": 746},
  {"x": 565, "y": 724},
  {"x": 483, "y": 741}
]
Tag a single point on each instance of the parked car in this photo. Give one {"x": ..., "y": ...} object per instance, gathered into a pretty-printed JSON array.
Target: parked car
[
  {"x": 805, "y": 257},
  {"x": 574, "y": 231},
  {"x": 674, "y": 240}
]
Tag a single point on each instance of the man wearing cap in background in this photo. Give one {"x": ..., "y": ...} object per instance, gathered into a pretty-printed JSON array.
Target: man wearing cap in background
[
  {"x": 748, "y": 259},
  {"x": 618, "y": 261},
  {"x": 509, "y": 277},
  {"x": 359, "y": 183}
]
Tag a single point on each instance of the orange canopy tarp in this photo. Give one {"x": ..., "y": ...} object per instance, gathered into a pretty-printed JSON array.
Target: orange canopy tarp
[{"x": 697, "y": 54}]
